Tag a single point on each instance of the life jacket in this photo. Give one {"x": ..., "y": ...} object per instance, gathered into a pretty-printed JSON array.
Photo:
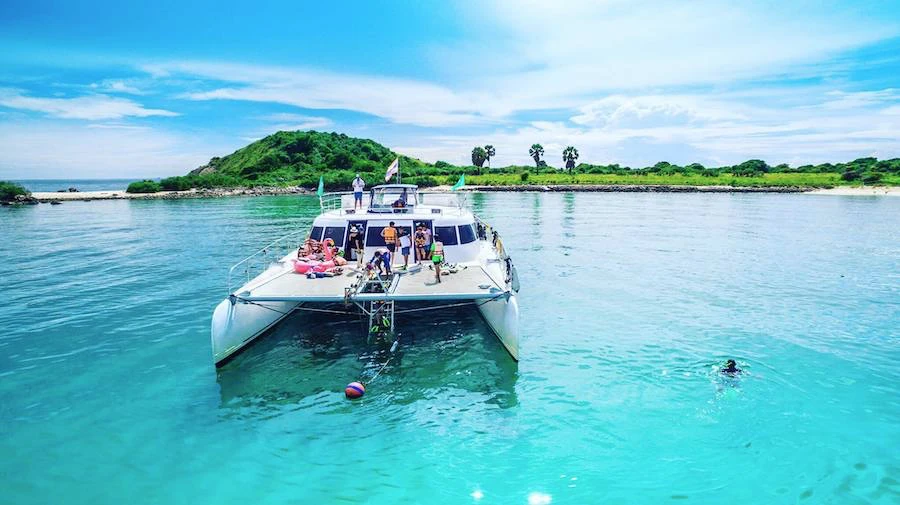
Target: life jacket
[
  {"x": 437, "y": 249},
  {"x": 390, "y": 234}
]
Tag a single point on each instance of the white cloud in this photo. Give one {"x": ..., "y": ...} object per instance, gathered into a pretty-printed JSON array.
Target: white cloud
[
  {"x": 859, "y": 99},
  {"x": 116, "y": 86},
  {"x": 625, "y": 111},
  {"x": 403, "y": 101},
  {"x": 286, "y": 121},
  {"x": 44, "y": 149},
  {"x": 90, "y": 107},
  {"x": 641, "y": 130}
]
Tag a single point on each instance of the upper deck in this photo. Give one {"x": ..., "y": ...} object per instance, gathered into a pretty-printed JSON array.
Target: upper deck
[{"x": 394, "y": 199}]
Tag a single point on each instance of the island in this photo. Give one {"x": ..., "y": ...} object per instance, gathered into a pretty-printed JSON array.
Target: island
[{"x": 289, "y": 162}]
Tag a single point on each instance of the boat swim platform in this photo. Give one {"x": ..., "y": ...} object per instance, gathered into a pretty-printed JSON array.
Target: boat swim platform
[{"x": 470, "y": 282}]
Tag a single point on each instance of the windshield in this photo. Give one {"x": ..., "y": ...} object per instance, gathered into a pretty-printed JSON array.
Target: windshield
[{"x": 394, "y": 197}]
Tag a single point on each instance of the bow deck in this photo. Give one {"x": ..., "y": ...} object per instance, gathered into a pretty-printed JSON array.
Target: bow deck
[{"x": 470, "y": 282}]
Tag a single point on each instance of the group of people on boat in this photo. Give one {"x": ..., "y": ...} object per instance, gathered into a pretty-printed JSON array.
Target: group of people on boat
[
  {"x": 319, "y": 257},
  {"x": 427, "y": 247}
]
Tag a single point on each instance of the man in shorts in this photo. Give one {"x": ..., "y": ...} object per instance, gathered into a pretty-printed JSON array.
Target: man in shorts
[
  {"x": 389, "y": 234},
  {"x": 405, "y": 245},
  {"x": 356, "y": 245},
  {"x": 358, "y": 186},
  {"x": 437, "y": 256}
]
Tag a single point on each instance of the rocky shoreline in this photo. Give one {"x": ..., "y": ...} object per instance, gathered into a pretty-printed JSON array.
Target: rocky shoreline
[{"x": 59, "y": 197}]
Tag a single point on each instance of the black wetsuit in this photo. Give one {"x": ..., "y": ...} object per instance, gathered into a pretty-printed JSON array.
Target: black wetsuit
[{"x": 731, "y": 371}]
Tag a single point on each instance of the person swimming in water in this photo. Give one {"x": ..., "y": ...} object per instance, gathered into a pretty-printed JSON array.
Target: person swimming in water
[{"x": 730, "y": 369}]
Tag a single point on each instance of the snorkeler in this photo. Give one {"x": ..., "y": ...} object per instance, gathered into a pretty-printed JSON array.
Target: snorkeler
[{"x": 730, "y": 369}]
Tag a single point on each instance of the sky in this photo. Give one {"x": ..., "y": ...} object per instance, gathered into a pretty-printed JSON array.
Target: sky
[{"x": 96, "y": 89}]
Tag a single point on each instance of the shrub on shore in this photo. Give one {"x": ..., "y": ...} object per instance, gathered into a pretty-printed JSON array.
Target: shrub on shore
[
  {"x": 9, "y": 191},
  {"x": 145, "y": 186}
]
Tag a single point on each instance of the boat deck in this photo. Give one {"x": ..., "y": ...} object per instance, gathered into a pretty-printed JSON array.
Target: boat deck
[{"x": 470, "y": 282}]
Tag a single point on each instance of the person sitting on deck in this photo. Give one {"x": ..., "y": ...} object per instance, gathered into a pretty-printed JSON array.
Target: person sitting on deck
[
  {"x": 730, "y": 369},
  {"x": 309, "y": 248},
  {"x": 437, "y": 256}
]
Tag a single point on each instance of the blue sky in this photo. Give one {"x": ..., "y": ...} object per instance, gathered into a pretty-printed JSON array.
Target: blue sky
[{"x": 110, "y": 89}]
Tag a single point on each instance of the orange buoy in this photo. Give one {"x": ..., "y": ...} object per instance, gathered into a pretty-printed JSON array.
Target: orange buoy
[{"x": 355, "y": 390}]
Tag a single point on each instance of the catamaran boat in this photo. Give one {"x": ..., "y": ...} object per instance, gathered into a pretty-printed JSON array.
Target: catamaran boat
[{"x": 476, "y": 269}]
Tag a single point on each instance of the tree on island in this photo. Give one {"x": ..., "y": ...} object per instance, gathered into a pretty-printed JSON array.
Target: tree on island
[
  {"x": 751, "y": 168},
  {"x": 10, "y": 190},
  {"x": 489, "y": 152},
  {"x": 479, "y": 155},
  {"x": 536, "y": 152},
  {"x": 570, "y": 154}
]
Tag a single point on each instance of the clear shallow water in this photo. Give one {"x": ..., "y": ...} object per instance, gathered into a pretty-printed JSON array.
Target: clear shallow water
[
  {"x": 108, "y": 393},
  {"x": 52, "y": 185}
]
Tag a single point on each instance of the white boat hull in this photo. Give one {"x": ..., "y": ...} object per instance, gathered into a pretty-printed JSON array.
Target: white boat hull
[
  {"x": 236, "y": 325},
  {"x": 502, "y": 315}
]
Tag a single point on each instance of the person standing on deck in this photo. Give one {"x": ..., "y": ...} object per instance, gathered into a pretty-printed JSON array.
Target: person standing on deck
[
  {"x": 389, "y": 234},
  {"x": 437, "y": 256},
  {"x": 356, "y": 245},
  {"x": 428, "y": 237},
  {"x": 420, "y": 243},
  {"x": 358, "y": 186},
  {"x": 405, "y": 246}
]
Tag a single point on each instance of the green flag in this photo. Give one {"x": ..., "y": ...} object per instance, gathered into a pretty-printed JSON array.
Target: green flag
[
  {"x": 460, "y": 183},
  {"x": 321, "y": 190}
]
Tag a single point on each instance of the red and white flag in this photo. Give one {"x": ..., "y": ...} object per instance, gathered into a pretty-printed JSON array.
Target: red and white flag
[{"x": 392, "y": 170}]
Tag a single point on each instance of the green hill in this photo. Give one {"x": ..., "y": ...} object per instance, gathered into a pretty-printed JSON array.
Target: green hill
[{"x": 301, "y": 157}]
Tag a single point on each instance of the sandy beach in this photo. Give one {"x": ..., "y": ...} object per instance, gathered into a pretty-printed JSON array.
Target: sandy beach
[
  {"x": 45, "y": 197},
  {"x": 860, "y": 191}
]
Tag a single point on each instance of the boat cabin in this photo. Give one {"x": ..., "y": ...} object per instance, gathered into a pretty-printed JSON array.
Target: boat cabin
[{"x": 408, "y": 209}]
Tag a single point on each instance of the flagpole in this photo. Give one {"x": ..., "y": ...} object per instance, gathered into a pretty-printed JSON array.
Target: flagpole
[{"x": 399, "y": 180}]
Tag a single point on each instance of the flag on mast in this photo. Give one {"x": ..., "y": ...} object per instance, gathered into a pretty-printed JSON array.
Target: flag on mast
[
  {"x": 321, "y": 190},
  {"x": 392, "y": 170},
  {"x": 460, "y": 183}
]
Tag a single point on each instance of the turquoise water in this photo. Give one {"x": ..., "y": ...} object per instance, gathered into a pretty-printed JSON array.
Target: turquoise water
[
  {"x": 52, "y": 185},
  {"x": 108, "y": 393}
]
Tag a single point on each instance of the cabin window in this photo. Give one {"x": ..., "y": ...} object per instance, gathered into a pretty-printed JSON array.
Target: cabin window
[
  {"x": 446, "y": 234},
  {"x": 466, "y": 234},
  {"x": 316, "y": 233},
  {"x": 335, "y": 233},
  {"x": 373, "y": 236}
]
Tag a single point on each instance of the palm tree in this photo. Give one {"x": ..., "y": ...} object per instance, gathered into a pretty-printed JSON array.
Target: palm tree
[
  {"x": 478, "y": 156},
  {"x": 570, "y": 154},
  {"x": 536, "y": 152},
  {"x": 490, "y": 152}
]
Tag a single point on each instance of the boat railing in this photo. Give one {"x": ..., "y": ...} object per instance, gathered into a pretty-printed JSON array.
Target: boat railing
[
  {"x": 344, "y": 200},
  {"x": 251, "y": 266},
  {"x": 442, "y": 199},
  {"x": 487, "y": 232},
  {"x": 336, "y": 201}
]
